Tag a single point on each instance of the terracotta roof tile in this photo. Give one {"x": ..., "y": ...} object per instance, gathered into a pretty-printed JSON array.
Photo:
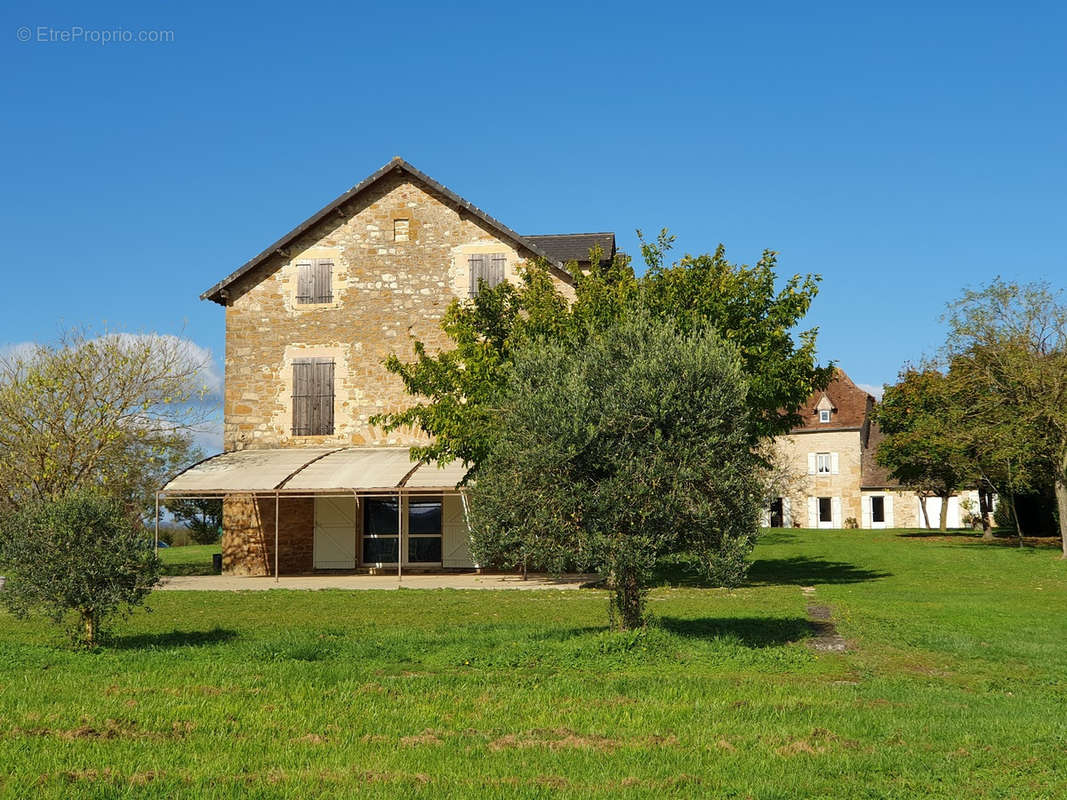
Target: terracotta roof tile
[{"x": 850, "y": 406}]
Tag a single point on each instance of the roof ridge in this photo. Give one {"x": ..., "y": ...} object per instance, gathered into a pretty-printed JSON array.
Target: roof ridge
[{"x": 395, "y": 163}]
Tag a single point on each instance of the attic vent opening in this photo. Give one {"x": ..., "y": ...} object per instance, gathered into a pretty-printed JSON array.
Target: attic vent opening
[{"x": 401, "y": 230}]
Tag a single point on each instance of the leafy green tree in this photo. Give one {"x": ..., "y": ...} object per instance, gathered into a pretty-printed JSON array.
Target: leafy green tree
[
  {"x": 610, "y": 457},
  {"x": 115, "y": 412},
  {"x": 458, "y": 390},
  {"x": 203, "y": 517},
  {"x": 920, "y": 416},
  {"x": 79, "y": 556},
  {"x": 743, "y": 304},
  {"x": 1008, "y": 342}
]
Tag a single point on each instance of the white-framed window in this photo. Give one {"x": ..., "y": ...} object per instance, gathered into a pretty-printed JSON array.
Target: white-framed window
[
  {"x": 823, "y": 464},
  {"x": 824, "y": 415}
]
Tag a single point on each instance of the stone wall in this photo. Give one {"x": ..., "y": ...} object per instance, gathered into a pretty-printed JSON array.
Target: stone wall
[
  {"x": 248, "y": 535},
  {"x": 793, "y": 453},
  {"x": 384, "y": 293}
]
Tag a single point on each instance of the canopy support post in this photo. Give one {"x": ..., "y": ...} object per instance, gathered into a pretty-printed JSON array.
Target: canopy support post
[
  {"x": 399, "y": 537},
  {"x": 276, "y": 507},
  {"x": 155, "y": 543}
]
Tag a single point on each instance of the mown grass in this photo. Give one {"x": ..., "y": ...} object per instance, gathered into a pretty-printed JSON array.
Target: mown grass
[
  {"x": 192, "y": 559},
  {"x": 955, "y": 687}
]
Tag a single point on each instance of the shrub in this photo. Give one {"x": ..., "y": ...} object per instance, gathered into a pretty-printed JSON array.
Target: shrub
[{"x": 78, "y": 559}]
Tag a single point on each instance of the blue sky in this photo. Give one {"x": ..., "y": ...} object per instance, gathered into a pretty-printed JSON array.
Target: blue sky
[{"x": 901, "y": 151}]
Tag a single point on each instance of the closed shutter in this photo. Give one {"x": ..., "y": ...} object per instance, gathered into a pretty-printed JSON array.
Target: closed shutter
[
  {"x": 301, "y": 397},
  {"x": 813, "y": 512},
  {"x": 835, "y": 464},
  {"x": 497, "y": 262},
  {"x": 314, "y": 282},
  {"x": 835, "y": 512},
  {"x": 323, "y": 281},
  {"x": 866, "y": 501},
  {"x": 477, "y": 268},
  {"x": 486, "y": 268},
  {"x": 313, "y": 397},
  {"x": 323, "y": 389},
  {"x": 304, "y": 278},
  {"x": 889, "y": 511},
  {"x": 811, "y": 463},
  {"x": 787, "y": 513}
]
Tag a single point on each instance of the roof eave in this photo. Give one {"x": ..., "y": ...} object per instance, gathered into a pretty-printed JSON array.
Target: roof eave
[{"x": 216, "y": 292}]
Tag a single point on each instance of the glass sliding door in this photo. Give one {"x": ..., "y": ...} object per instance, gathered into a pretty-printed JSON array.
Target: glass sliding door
[
  {"x": 421, "y": 534},
  {"x": 381, "y": 532},
  {"x": 424, "y": 531}
]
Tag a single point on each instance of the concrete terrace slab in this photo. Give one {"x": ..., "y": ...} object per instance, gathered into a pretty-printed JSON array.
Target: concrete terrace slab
[{"x": 232, "y": 583}]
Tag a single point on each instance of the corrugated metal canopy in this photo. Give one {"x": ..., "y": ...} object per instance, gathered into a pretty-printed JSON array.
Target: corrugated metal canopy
[
  {"x": 430, "y": 476},
  {"x": 312, "y": 470}
]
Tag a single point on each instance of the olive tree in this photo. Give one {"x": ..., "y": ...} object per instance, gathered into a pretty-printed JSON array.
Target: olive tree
[
  {"x": 81, "y": 558},
  {"x": 612, "y": 456}
]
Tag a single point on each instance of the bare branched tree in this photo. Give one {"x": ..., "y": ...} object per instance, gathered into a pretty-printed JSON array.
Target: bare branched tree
[{"x": 115, "y": 412}]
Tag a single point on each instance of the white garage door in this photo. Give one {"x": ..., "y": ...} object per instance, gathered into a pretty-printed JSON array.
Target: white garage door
[{"x": 335, "y": 533}]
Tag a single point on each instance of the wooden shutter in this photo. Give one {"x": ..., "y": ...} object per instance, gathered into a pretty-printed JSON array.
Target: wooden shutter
[
  {"x": 323, "y": 391},
  {"x": 813, "y": 512},
  {"x": 323, "y": 291},
  {"x": 811, "y": 463},
  {"x": 305, "y": 277},
  {"x": 835, "y": 512},
  {"x": 302, "y": 399},
  {"x": 497, "y": 264},
  {"x": 835, "y": 464},
  {"x": 787, "y": 513},
  {"x": 313, "y": 397},
  {"x": 888, "y": 512},
  {"x": 476, "y": 262},
  {"x": 867, "y": 519}
]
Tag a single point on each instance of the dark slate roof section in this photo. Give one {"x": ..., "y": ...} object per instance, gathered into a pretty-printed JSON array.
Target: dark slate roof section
[
  {"x": 872, "y": 474},
  {"x": 565, "y": 247},
  {"x": 851, "y": 407},
  {"x": 215, "y": 292}
]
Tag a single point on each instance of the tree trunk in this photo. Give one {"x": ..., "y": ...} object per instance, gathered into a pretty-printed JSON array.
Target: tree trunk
[
  {"x": 91, "y": 626},
  {"x": 1061, "y": 505},
  {"x": 983, "y": 510},
  {"x": 943, "y": 524},
  {"x": 1015, "y": 517},
  {"x": 926, "y": 513},
  {"x": 628, "y": 600}
]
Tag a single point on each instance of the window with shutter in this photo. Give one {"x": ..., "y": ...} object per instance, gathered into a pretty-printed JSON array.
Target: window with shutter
[
  {"x": 313, "y": 397},
  {"x": 486, "y": 269},
  {"x": 314, "y": 281}
]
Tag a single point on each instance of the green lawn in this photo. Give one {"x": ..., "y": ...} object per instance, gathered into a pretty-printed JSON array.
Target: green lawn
[
  {"x": 956, "y": 687},
  {"x": 192, "y": 559}
]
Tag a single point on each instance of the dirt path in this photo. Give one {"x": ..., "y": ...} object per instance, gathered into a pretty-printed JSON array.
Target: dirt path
[{"x": 826, "y": 639}]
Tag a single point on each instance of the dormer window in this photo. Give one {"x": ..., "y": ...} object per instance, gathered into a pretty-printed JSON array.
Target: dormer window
[
  {"x": 314, "y": 281},
  {"x": 824, "y": 415}
]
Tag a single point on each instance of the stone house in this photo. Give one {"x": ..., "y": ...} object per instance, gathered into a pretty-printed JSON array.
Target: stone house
[
  {"x": 309, "y": 483},
  {"x": 831, "y": 478}
]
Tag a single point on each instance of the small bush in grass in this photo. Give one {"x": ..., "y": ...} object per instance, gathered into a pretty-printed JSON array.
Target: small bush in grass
[{"x": 78, "y": 559}]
